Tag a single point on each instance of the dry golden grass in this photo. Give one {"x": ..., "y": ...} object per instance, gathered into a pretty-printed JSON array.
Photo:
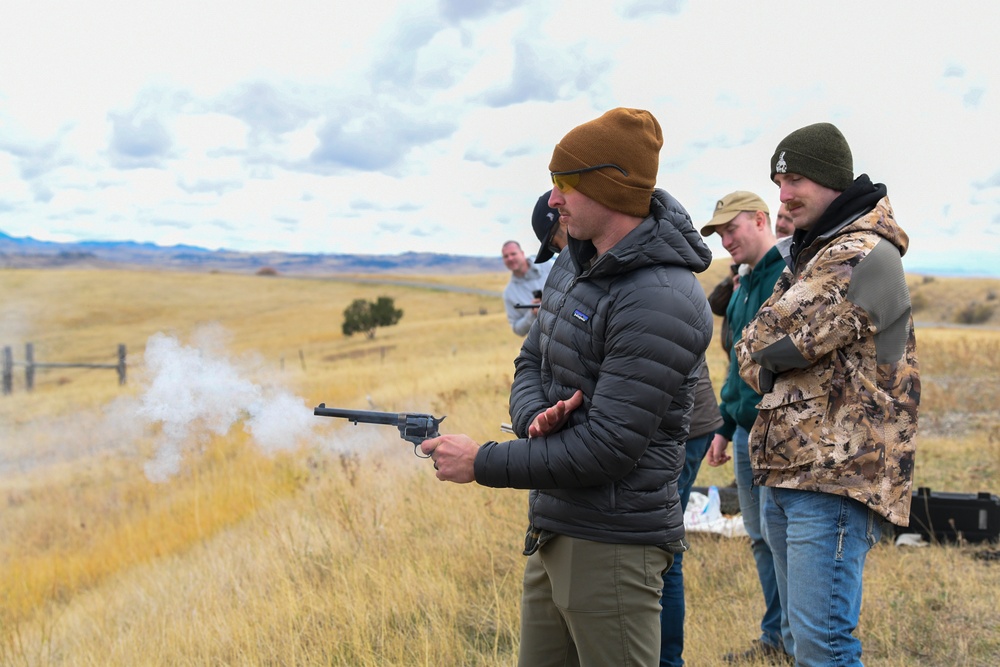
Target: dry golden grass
[
  {"x": 345, "y": 550},
  {"x": 111, "y": 518}
]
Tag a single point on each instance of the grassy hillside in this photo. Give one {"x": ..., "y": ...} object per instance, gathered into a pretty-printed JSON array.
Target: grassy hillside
[{"x": 320, "y": 542}]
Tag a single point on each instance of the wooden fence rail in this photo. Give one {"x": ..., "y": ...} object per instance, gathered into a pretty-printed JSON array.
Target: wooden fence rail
[{"x": 30, "y": 366}]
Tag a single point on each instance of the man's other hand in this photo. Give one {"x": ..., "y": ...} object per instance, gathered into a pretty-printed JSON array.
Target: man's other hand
[{"x": 553, "y": 419}]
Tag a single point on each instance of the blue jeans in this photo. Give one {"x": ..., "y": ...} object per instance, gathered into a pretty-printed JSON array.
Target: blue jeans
[
  {"x": 820, "y": 542},
  {"x": 773, "y": 626},
  {"x": 672, "y": 601}
]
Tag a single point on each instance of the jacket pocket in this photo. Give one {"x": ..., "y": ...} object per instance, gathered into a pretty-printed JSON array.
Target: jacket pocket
[{"x": 794, "y": 428}]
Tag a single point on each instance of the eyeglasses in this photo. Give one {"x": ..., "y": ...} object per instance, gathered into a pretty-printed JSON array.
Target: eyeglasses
[{"x": 565, "y": 181}]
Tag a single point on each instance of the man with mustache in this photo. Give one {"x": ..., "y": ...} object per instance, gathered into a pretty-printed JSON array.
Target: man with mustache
[{"x": 833, "y": 353}]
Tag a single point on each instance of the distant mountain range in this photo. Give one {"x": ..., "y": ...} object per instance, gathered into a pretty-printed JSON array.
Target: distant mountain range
[{"x": 30, "y": 253}]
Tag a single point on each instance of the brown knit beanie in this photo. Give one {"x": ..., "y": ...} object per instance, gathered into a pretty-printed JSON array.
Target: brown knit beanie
[
  {"x": 629, "y": 138},
  {"x": 819, "y": 152}
]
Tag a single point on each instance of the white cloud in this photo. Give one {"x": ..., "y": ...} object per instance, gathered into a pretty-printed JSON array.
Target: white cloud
[{"x": 428, "y": 126}]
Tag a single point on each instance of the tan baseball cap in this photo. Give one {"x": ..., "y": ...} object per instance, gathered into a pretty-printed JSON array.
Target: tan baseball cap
[{"x": 731, "y": 206}]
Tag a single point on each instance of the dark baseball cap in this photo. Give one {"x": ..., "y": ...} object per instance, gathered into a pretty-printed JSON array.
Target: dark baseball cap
[{"x": 544, "y": 220}]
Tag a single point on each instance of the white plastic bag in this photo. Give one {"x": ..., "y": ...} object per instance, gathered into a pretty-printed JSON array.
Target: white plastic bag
[
  {"x": 702, "y": 509},
  {"x": 704, "y": 514}
]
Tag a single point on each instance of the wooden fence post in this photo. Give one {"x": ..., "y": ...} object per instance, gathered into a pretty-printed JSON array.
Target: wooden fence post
[
  {"x": 29, "y": 366},
  {"x": 121, "y": 363},
  {"x": 8, "y": 370}
]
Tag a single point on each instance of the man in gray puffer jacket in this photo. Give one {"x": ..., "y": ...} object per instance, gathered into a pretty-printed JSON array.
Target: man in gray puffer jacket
[{"x": 602, "y": 395}]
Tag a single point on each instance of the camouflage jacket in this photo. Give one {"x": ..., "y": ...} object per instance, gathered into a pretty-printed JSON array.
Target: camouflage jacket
[{"x": 833, "y": 353}]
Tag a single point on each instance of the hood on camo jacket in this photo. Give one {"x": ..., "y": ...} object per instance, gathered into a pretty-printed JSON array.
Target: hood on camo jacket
[
  {"x": 629, "y": 328},
  {"x": 833, "y": 353}
]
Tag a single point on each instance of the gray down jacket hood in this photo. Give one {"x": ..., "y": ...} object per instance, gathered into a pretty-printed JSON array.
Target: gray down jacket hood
[{"x": 629, "y": 328}]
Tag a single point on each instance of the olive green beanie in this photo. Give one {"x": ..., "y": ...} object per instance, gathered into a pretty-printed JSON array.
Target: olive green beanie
[
  {"x": 819, "y": 152},
  {"x": 629, "y": 138}
]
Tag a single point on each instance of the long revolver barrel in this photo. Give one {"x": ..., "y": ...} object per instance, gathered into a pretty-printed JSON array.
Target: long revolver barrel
[{"x": 413, "y": 427}]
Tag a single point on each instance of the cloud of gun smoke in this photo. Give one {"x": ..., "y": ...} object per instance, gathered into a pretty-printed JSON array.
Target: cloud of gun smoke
[
  {"x": 196, "y": 391},
  {"x": 182, "y": 395}
]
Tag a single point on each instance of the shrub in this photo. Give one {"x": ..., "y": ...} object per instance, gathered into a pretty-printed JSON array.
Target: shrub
[
  {"x": 918, "y": 301},
  {"x": 365, "y": 316},
  {"x": 974, "y": 313}
]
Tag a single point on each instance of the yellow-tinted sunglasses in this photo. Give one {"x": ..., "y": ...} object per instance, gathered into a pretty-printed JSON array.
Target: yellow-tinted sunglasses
[{"x": 566, "y": 181}]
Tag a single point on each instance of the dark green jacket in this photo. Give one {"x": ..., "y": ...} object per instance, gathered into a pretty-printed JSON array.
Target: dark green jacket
[{"x": 738, "y": 401}]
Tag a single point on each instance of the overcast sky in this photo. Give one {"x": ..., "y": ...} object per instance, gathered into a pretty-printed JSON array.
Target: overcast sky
[{"x": 385, "y": 127}]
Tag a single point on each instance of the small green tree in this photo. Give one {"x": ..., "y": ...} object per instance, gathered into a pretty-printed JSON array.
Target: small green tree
[{"x": 365, "y": 316}]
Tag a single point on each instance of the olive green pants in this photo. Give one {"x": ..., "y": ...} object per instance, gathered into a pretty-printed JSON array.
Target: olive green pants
[{"x": 591, "y": 604}]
